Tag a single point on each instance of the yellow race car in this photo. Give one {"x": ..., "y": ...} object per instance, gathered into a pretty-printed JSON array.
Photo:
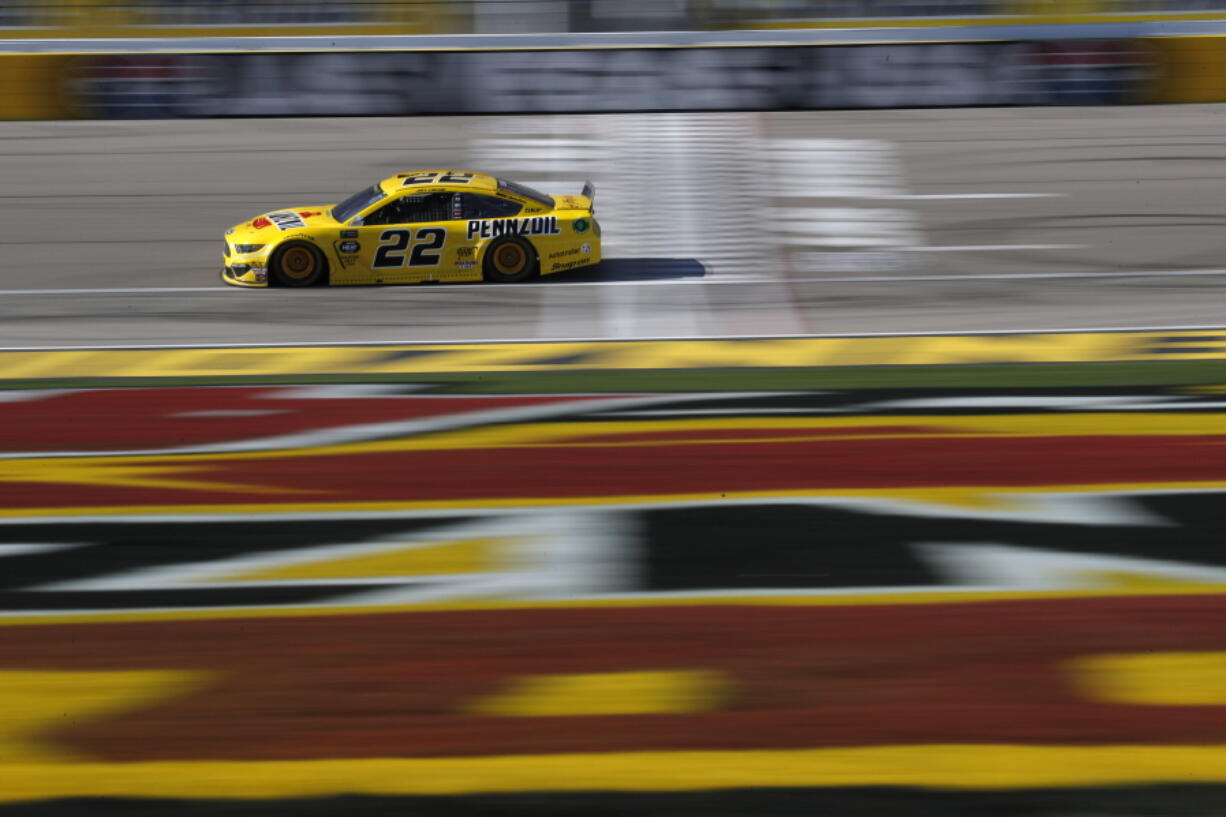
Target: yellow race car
[{"x": 428, "y": 225}]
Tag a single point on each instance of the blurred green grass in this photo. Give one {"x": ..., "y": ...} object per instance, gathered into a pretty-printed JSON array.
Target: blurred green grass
[{"x": 1039, "y": 375}]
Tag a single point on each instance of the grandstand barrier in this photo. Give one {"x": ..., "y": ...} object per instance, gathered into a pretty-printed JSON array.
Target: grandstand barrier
[
  {"x": 270, "y": 77},
  {"x": 42, "y": 19}
]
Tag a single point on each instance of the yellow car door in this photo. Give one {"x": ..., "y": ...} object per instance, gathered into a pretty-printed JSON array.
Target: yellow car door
[{"x": 410, "y": 239}]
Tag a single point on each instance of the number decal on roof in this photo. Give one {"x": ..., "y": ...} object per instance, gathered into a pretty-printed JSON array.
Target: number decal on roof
[{"x": 438, "y": 178}]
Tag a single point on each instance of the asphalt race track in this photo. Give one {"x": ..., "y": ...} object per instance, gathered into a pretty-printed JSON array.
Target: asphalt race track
[{"x": 714, "y": 224}]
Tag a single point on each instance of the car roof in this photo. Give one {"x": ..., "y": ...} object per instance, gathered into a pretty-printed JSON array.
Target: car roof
[{"x": 480, "y": 181}]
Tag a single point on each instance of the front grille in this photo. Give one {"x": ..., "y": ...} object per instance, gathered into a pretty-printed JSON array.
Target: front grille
[{"x": 225, "y": 248}]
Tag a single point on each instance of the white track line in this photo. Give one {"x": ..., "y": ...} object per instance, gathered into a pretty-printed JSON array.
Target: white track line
[
  {"x": 989, "y": 248},
  {"x": 119, "y": 291},
  {"x": 1003, "y": 276},
  {"x": 953, "y": 196},
  {"x": 414, "y": 290},
  {"x": 530, "y": 341}
]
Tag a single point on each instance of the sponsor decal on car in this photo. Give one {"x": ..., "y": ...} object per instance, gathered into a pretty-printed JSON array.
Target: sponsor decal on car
[
  {"x": 350, "y": 247},
  {"x": 585, "y": 248},
  {"x": 581, "y": 225},
  {"x": 465, "y": 252},
  {"x": 571, "y": 251},
  {"x": 492, "y": 228},
  {"x": 260, "y": 223},
  {"x": 309, "y": 213},
  {"x": 465, "y": 264},
  {"x": 558, "y": 266},
  {"x": 286, "y": 220},
  {"x": 349, "y": 233}
]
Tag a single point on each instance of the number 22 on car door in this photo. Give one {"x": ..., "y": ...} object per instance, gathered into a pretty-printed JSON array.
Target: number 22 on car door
[
  {"x": 406, "y": 253},
  {"x": 404, "y": 241}
]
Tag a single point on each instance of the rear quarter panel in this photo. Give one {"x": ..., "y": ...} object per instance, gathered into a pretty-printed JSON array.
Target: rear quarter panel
[{"x": 575, "y": 244}]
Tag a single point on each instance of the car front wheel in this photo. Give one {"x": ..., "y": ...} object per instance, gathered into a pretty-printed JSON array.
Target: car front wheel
[{"x": 297, "y": 264}]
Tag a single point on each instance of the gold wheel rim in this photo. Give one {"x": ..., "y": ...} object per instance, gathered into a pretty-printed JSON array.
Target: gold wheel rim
[
  {"x": 510, "y": 259},
  {"x": 298, "y": 263}
]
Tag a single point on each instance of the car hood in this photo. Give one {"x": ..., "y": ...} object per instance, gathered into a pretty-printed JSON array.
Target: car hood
[{"x": 268, "y": 226}]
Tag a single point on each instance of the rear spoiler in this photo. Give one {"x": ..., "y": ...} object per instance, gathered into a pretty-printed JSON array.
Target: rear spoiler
[{"x": 589, "y": 191}]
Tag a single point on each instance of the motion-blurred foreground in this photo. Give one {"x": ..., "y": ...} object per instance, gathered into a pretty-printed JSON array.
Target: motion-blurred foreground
[
  {"x": 875, "y": 471},
  {"x": 408, "y": 583}
]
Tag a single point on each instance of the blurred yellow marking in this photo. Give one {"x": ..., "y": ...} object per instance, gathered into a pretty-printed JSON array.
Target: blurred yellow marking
[
  {"x": 1154, "y": 679},
  {"x": 870, "y": 599},
  {"x": 609, "y": 693},
  {"x": 1129, "y": 580},
  {"x": 578, "y": 434},
  {"x": 471, "y": 556},
  {"x": 623, "y": 355},
  {"x": 814, "y": 429},
  {"x": 33, "y": 705},
  {"x": 962, "y": 766},
  {"x": 120, "y": 473}
]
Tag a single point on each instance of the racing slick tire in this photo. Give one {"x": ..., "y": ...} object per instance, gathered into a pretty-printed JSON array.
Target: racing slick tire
[
  {"x": 509, "y": 259},
  {"x": 297, "y": 264}
]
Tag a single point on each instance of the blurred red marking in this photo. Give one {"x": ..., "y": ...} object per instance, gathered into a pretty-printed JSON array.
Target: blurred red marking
[
  {"x": 143, "y": 419},
  {"x": 397, "y": 685},
  {"x": 554, "y": 471}
]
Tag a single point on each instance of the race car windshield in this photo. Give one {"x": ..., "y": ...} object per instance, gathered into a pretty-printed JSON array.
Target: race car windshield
[
  {"x": 356, "y": 203},
  {"x": 525, "y": 191}
]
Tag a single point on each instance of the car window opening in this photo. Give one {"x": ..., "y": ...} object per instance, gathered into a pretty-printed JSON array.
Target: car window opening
[
  {"x": 358, "y": 202},
  {"x": 526, "y": 192}
]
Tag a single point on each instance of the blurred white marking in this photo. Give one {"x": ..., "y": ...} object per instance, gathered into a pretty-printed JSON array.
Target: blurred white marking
[
  {"x": 835, "y": 168},
  {"x": 30, "y": 395},
  {"x": 1013, "y": 276},
  {"x": 994, "y": 248},
  {"x": 943, "y": 196},
  {"x": 539, "y": 556},
  {"x": 23, "y": 548},
  {"x": 1097, "y": 402},
  {"x": 846, "y": 227},
  {"x": 1014, "y": 567},
  {"x": 122, "y": 291},
  {"x": 617, "y": 314}
]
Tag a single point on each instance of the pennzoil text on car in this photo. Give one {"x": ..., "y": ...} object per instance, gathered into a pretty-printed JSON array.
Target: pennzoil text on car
[{"x": 428, "y": 225}]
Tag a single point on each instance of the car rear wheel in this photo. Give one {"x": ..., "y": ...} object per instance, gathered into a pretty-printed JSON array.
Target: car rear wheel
[
  {"x": 509, "y": 259},
  {"x": 298, "y": 264}
]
